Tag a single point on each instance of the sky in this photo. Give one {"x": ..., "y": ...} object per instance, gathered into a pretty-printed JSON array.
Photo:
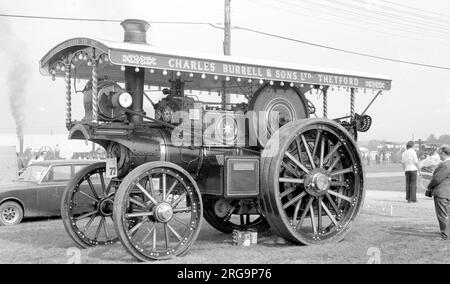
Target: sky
[{"x": 418, "y": 104}]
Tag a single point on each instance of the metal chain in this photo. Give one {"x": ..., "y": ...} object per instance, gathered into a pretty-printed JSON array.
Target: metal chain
[
  {"x": 94, "y": 92},
  {"x": 68, "y": 96},
  {"x": 352, "y": 103}
]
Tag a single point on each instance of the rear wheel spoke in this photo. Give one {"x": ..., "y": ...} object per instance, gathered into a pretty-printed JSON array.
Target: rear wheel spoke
[
  {"x": 336, "y": 223},
  {"x": 308, "y": 151},
  {"x": 313, "y": 219},
  {"x": 341, "y": 196},
  {"x": 294, "y": 200},
  {"x": 301, "y": 166},
  {"x": 305, "y": 212}
]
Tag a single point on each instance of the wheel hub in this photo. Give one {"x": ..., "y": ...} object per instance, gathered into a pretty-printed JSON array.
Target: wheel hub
[
  {"x": 163, "y": 212},
  {"x": 106, "y": 207},
  {"x": 9, "y": 214},
  {"x": 318, "y": 182}
]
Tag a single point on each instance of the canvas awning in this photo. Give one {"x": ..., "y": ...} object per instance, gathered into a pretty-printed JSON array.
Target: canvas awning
[{"x": 201, "y": 71}]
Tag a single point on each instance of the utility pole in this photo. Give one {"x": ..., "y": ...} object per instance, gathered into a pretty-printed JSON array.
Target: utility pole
[
  {"x": 227, "y": 29},
  {"x": 226, "y": 98}
]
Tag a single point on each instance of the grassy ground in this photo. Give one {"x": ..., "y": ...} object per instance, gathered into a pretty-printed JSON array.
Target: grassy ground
[
  {"x": 400, "y": 232},
  {"x": 374, "y": 168}
]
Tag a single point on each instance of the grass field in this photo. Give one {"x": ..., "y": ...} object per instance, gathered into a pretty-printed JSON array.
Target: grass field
[{"x": 388, "y": 227}]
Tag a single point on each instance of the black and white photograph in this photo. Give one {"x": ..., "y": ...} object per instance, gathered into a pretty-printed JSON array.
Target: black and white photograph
[{"x": 224, "y": 132}]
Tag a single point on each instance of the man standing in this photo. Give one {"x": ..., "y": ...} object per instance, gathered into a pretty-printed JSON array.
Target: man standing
[
  {"x": 410, "y": 166},
  {"x": 440, "y": 189}
]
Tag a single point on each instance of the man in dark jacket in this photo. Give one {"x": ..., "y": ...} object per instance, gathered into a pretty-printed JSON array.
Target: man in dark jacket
[{"x": 440, "y": 189}]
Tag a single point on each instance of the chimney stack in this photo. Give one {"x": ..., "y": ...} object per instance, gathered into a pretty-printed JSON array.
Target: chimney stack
[{"x": 135, "y": 31}]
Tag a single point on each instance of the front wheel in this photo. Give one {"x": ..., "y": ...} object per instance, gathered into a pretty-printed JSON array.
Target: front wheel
[
  {"x": 158, "y": 211},
  {"x": 86, "y": 207}
]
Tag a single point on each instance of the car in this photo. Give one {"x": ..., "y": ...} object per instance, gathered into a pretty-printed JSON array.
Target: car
[{"x": 38, "y": 190}]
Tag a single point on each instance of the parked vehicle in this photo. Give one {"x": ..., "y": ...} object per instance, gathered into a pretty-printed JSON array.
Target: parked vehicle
[{"x": 38, "y": 191}]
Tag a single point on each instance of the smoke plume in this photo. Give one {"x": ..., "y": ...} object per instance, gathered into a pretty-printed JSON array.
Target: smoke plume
[{"x": 18, "y": 69}]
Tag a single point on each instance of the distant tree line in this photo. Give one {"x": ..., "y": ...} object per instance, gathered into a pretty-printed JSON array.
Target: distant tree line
[{"x": 445, "y": 139}]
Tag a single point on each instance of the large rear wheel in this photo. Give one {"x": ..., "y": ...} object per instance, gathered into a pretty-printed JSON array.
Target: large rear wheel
[{"x": 312, "y": 182}]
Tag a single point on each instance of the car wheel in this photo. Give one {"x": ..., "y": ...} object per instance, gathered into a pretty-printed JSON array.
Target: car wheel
[{"x": 11, "y": 213}]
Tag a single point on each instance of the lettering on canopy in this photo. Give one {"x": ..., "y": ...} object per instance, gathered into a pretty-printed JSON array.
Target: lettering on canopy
[{"x": 168, "y": 62}]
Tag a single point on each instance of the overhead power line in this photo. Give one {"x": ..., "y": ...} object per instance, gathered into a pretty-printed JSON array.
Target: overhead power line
[
  {"x": 343, "y": 50},
  {"x": 214, "y": 25},
  {"x": 358, "y": 26},
  {"x": 248, "y": 30}
]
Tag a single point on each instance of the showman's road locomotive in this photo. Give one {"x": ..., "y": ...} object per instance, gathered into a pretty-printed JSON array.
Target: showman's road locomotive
[{"x": 251, "y": 164}]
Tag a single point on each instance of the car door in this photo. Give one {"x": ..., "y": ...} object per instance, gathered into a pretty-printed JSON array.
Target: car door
[{"x": 51, "y": 189}]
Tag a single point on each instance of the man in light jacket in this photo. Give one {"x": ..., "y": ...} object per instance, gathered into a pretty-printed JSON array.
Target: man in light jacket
[
  {"x": 440, "y": 190},
  {"x": 411, "y": 167}
]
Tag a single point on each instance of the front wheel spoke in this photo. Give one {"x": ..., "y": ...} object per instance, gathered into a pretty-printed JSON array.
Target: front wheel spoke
[
  {"x": 138, "y": 214},
  {"x": 88, "y": 224},
  {"x": 182, "y": 210},
  {"x": 308, "y": 151},
  {"x": 149, "y": 196},
  {"x": 92, "y": 187},
  {"x": 293, "y": 200},
  {"x": 175, "y": 183},
  {"x": 293, "y": 159},
  {"x": 178, "y": 200},
  {"x": 341, "y": 172},
  {"x": 137, "y": 226},
  {"x": 341, "y": 196},
  {"x": 108, "y": 189},
  {"x": 88, "y": 196},
  {"x": 138, "y": 203},
  {"x": 336, "y": 223},
  {"x": 292, "y": 180},
  {"x": 100, "y": 225},
  {"x": 174, "y": 232},
  {"x": 105, "y": 227},
  {"x": 87, "y": 215},
  {"x": 179, "y": 221},
  {"x": 102, "y": 181},
  {"x": 149, "y": 232},
  {"x": 305, "y": 212}
]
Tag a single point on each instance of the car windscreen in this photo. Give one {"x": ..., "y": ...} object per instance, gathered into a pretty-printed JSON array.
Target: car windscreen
[{"x": 33, "y": 173}]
